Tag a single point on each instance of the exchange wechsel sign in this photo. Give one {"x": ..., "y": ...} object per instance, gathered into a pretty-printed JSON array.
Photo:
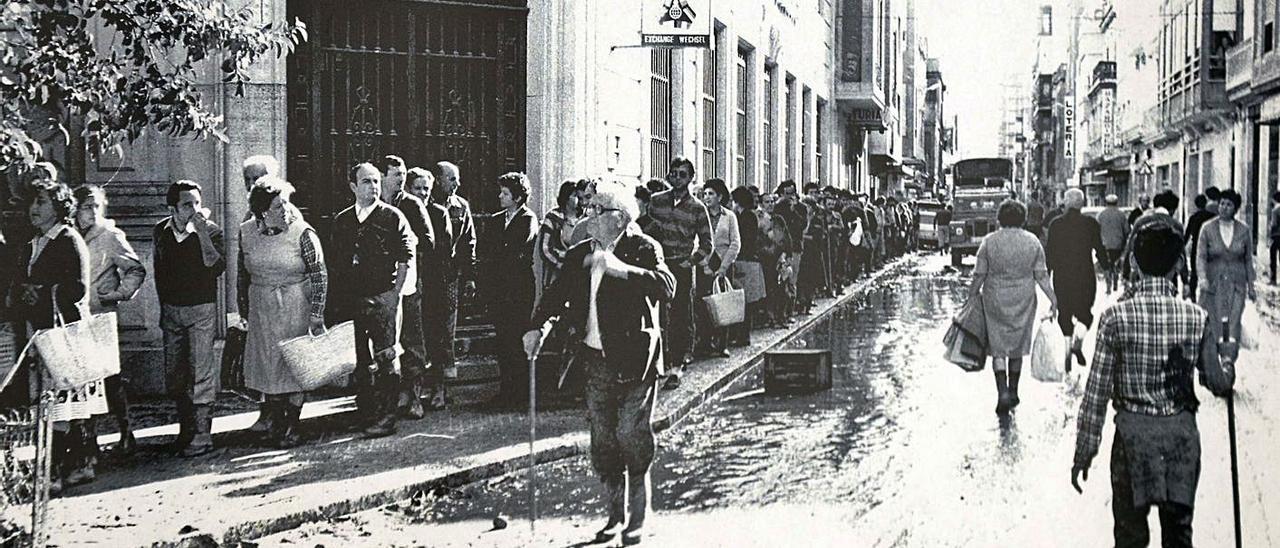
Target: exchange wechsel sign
[{"x": 676, "y": 23}]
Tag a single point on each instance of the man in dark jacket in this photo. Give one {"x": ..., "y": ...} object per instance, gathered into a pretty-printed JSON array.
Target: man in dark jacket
[
  {"x": 414, "y": 363},
  {"x": 369, "y": 255},
  {"x": 1203, "y": 213},
  {"x": 459, "y": 272},
  {"x": 435, "y": 277},
  {"x": 1073, "y": 239},
  {"x": 606, "y": 300}
]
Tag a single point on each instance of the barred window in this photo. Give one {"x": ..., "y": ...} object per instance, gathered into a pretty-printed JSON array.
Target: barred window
[
  {"x": 710, "y": 122},
  {"x": 767, "y": 140},
  {"x": 743, "y": 125},
  {"x": 660, "y": 112}
]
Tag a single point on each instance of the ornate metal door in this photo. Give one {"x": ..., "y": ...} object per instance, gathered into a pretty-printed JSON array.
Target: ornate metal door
[{"x": 426, "y": 80}]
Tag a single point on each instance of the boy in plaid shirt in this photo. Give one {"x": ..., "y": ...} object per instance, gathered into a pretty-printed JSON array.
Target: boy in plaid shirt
[{"x": 1148, "y": 346}]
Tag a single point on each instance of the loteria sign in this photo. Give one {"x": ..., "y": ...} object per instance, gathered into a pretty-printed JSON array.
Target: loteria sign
[{"x": 675, "y": 23}]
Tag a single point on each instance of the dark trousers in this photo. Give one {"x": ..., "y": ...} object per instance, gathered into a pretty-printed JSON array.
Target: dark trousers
[
  {"x": 377, "y": 322},
  {"x": 677, "y": 320},
  {"x": 510, "y": 322},
  {"x": 439, "y": 319},
  {"x": 413, "y": 364},
  {"x": 1130, "y": 528},
  {"x": 622, "y": 440}
]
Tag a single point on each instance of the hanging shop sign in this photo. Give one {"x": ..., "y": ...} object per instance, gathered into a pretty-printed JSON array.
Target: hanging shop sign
[
  {"x": 1068, "y": 129},
  {"x": 676, "y": 23}
]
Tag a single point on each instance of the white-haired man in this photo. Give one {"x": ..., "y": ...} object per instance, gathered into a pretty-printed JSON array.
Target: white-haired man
[
  {"x": 606, "y": 300},
  {"x": 1071, "y": 239}
]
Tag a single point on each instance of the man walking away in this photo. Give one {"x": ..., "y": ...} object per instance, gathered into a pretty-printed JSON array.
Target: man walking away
[
  {"x": 1115, "y": 230},
  {"x": 680, "y": 223},
  {"x": 372, "y": 248},
  {"x": 414, "y": 364},
  {"x": 1201, "y": 215},
  {"x": 1073, "y": 239},
  {"x": 608, "y": 294},
  {"x": 462, "y": 264},
  {"x": 1148, "y": 348},
  {"x": 189, "y": 258}
]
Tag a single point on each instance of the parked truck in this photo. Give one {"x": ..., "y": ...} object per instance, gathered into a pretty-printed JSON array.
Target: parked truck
[{"x": 978, "y": 186}]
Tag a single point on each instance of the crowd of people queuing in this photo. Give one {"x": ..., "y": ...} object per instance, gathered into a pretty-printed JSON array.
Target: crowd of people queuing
[{"x": 396, "y": 263}]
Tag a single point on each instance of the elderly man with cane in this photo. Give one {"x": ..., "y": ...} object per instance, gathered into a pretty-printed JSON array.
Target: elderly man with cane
[
  {"x": 606, "y": 299},
  {"x": 1149, "y": 346}
]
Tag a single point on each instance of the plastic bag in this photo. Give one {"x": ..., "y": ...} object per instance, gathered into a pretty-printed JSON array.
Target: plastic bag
[
  {"x": 1250, "y": 327},
  {"x": 1048, "y": 353}
]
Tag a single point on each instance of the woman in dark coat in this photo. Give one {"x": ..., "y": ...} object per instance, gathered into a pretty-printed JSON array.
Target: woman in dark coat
[
  {"x": 514, "y": 285},
  {"x": 53, "y": 272}
]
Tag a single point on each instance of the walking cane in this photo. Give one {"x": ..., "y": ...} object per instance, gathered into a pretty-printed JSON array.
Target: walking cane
[
  {"x": 533, "y": 437},
  {"x": 1231, "y": 436}
]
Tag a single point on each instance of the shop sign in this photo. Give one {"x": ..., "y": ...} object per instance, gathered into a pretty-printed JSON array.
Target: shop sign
[{"x": 676, "y": 23}]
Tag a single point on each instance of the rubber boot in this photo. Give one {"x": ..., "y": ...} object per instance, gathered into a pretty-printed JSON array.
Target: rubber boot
[
  {"x": 1003, "y": 402},
  {"x": 1014, "y": 376},
  {"x": 615, "y": 494},
  {"x": 202, "y": 441}
]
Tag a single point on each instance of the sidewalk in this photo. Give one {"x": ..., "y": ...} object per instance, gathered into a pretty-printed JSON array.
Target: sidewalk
[{"x": 243, "y": 492}]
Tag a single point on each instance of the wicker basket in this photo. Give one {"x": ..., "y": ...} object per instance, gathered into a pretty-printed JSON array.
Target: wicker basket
[
  {"x": 321, "y": 359},
  {"x": 80, "y": 352}
]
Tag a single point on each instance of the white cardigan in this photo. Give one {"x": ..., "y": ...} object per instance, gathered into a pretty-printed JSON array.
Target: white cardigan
[{"x": 725, "y": 239}]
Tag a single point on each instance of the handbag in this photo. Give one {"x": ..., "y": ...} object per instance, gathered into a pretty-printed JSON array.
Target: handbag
[
  {"x": 725, "y": 305},
  {"x": 77, "y": 353},
  {"x": 232, "y": 375},
  {"x": 749, "y": 275},
  {"x": 317, "y": 360}
]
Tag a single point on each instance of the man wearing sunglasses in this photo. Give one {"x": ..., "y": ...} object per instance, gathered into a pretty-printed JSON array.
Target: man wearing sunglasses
[
  {"x": 680, "y": 222},
  {"x": 606, "y": 302}
]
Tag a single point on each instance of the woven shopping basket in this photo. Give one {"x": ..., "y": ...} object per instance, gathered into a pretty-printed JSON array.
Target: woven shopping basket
[
  {"x": 725, "y": 305},
  {"x": 78, "y": 353},
  {"x": 317, "y": 360}
]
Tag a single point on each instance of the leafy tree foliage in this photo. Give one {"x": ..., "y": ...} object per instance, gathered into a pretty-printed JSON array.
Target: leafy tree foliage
[{"x": 117, "y": 67}]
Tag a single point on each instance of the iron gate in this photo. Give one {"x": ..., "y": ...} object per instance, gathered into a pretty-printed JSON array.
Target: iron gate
[{"x": 428, "y": 80}]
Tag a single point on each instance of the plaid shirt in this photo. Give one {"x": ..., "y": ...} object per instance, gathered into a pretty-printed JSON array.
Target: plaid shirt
[
  {"x": 683, "y": 228},
  {"x": 1132, "y": 363}
]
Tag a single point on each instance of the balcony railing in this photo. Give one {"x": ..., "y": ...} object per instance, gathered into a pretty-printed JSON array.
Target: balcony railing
[
  {"x": 1240, "y": 65},
  {"x": 1103, "y": 73}
]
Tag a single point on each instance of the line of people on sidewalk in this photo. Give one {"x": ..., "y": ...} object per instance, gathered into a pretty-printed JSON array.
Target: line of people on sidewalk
[
  {"x": 396, "y": 263},
  {"x": 1148, "y": 345},
  {"x": 783, "y": 250}
]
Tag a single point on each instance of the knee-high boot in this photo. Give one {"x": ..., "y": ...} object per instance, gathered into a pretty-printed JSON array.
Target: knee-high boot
[
  {"x": 1003, "y": 402},
  {"x": 1014, "y": 375}
]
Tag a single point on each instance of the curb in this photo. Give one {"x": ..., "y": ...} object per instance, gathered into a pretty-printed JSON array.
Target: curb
[{"x": 563, "y": 447}]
